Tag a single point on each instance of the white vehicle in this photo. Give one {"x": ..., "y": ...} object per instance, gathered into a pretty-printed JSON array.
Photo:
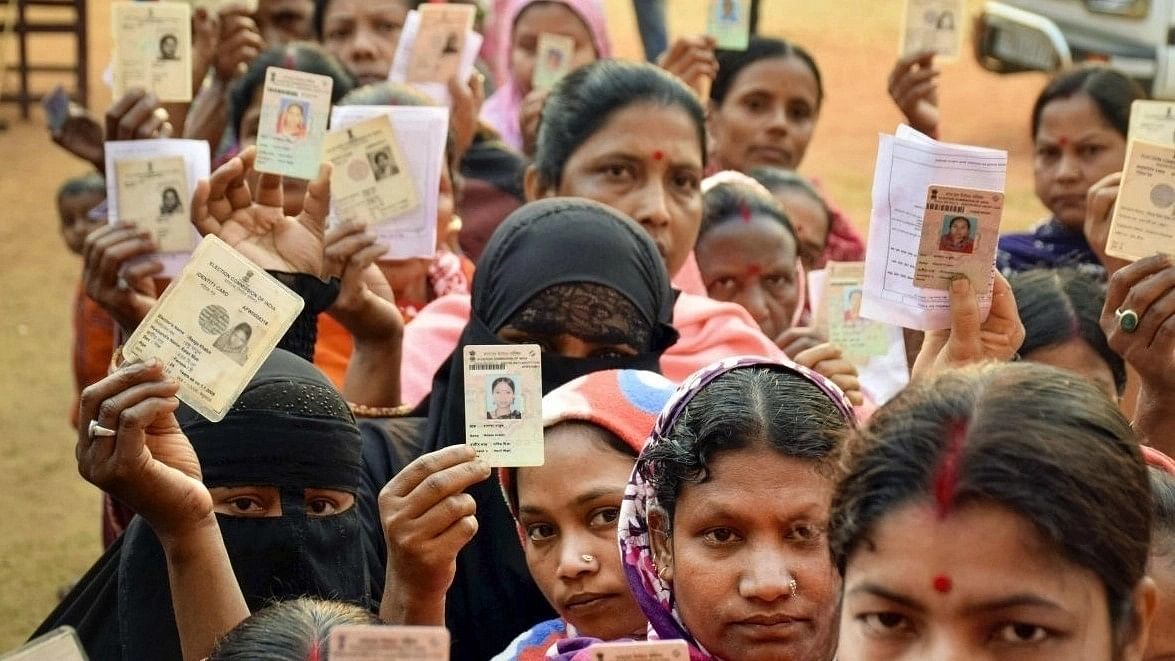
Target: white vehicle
[{"x": 1136, "y": 37}]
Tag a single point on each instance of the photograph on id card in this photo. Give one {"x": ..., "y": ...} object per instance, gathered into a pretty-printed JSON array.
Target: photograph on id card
[
  {"x": 295, "y": 108},
  {"x": 840, "y": 311},
  {"x": 153, "y": 195},
  {"x": 503, "y": 403},
  {"x": 1143, "y": 222},
  {"x": 960, "y": 230},
  {"x": 1152, "y": 121},
  {"x": 380, "y": 642},
  {"x": 934, "y": 25},
  {"x": 370, "y": 181},
  {"x": 553, "y": 60},
  {"x": 214, "y": 326},
  {"x": 436, "y": 55},
  {"x": 729, "y": 22},
  {"x": 640, "y": 650},
  {"x": 153, "y": 49}
]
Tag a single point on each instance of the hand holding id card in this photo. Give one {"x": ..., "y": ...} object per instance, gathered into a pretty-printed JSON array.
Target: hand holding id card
[
  {"x": 503, "y": 404},
  {"x": 553, "y": 60},
  {"x": 381, "y": 642},
  {"x": 153, "y": 49},
  {"x": 1144, "y": 216},
  {"x": 214, "y": 326},
  {"x": 729, "y": 22},
  {"x": 153, "y": 194},
  {"x": 436, "y": 53},
  {"x": 295, "y": 107},
  {"x": 370, "y": 181},
  {"x": 960, "y": 230}
]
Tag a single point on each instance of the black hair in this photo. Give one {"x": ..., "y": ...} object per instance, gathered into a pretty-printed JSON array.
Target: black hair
[
  {"x": 732, "y": 62},
  {"x": 744, "y": 407},
  {"x": 1056, "y": 306},
  {"x": 168, "y": 36},
  {"x": 293, "y": 630},
  {"x": 583, "y": 101},
  {"x": 1031, "y": 438},
  {"x": 301, "y": 56},
  {"x": 245, "y": 327},
  {"x": 320, "y": 7},
  {"x": 1163, "y": 499},
  {"x": 778, "y": 180},
  {"x": 732, "y": 200},
  {"x": 1111, "y": 91},
  {"x": 962, "y": 218},
  {"x": 503, "y": 379},
  {"x": 86, "y": 183}
]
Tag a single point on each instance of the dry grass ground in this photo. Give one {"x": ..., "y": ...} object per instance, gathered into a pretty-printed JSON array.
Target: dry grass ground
[{"x": 50, "y": 529}]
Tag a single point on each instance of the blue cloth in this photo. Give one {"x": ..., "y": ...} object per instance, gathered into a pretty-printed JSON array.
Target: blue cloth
[
  {"x": 1051, "y": 245},
  {"x": 650, "y": 21}
]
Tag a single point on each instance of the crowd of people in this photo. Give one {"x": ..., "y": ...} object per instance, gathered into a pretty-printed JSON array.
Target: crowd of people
[{"x": 714, "y": 469}]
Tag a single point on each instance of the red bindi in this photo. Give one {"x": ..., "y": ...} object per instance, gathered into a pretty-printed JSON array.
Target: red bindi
[
  {"x": 1063, "y": 141},
  {"x": 754, "y": 270},
  {"x": 658, "y": 155},
  {"x": 745, "y": 212},
  {"x": 942, "y": 583}
]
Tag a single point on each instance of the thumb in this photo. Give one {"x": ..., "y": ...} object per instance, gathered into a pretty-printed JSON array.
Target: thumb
[{"x": 965, "y": 342}]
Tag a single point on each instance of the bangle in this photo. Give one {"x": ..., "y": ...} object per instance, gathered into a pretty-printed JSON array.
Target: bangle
[{"x": 365, "y": 411}]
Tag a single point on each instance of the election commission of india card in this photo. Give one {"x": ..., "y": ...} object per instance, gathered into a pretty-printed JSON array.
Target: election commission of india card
[{"x": 214, "y": 326}]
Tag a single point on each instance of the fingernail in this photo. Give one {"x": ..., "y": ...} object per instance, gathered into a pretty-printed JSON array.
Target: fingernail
[
  {"x": 151, "y": 363},
  {"x": 960, "y": 284}
]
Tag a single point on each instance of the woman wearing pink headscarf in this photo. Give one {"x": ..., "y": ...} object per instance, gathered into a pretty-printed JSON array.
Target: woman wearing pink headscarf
[{"x": 524, "y": 20}]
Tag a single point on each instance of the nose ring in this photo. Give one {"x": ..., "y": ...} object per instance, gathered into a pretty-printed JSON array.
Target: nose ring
[{"x": 795, "y": 587}]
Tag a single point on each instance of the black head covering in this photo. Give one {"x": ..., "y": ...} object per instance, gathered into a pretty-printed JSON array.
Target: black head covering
[
  {"x": 561, "y": 265},
  {"x": 289, "y": 429}
]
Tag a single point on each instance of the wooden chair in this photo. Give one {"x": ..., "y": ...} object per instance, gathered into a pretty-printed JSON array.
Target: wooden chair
[{"x": 20, "y": 23}]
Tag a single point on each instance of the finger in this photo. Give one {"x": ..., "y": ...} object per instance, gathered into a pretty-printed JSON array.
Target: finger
[
  {"x": 354, "y": 274},
  {"x": 102, "y": 239},
  {"x": 110, "y": 264},
  {"x": 219, "y": 206},
  {"x": 818, "y": 354},
  {"x": 922, "y": 92},
  {"x": 913, "y": 79},
  {"x": 1162, "y": 341},
  {"x": 420, "y": 468},
  {"x": 202, "y": 218},
  {"x": 457, "y": 536},
  {"x": 317, "y": 201},
  {"x": 965, "y": 324},
  {"x": 112, "y": 408},
  {"x": 128, "y": 375},
  {"x": 1124, "y": 281},
  {"x": 338, "y": 255},
  {"x": 443, "y": 515},
  {"x": 141, "y": 112},
  {"x": 116, "y": 112},
  {"x": 151, "y": 127},
  {"x": 1146, "y": 300},
  {"x": 269, "y": 192},
  {"x": 134, "y": 421},
  {"x": 146, "y": 268},
  {"x": 442, "y": 484},
  {"x": 344, "y": 230}
]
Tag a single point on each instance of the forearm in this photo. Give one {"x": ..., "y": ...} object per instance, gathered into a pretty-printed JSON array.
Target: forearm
[
  {"x": 1154, "y": 419},
  {"x": 373, "y": 373},
  {"x": 204, "y": 592},
  {"x": 400, "y": 606},
  {"x": 208, "y": 114}
]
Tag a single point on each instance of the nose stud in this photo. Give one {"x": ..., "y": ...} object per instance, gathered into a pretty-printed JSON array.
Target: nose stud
[
  {"x": 795, "y": 587},
  {"x": 588, "y": 558}
]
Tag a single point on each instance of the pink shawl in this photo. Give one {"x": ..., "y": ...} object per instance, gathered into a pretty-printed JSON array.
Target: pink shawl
[{"x": 500, "y": 111}]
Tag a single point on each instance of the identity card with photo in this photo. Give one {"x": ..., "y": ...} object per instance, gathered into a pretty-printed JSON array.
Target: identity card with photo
[
  {"x": 729, "y": 22},
  {"x": 197, "y": 165},
  {"x": 840, "y": 314},
  {"x": 412, "y": 233},
  {"x": 153, "y": 49},
  {"x": 503, "y": 403},
  {"x": 60, "y": 644},
  {"x": 440, "y": 41},
  {"x": 381, "y": 642},
  {"x": 214, "y": 326},
  {"x": 295, "y": 107},
  {"x": 933, "y": 25},
  {"x": 652, "y": 650},
  {"x": 370, "y": 182},
  {"x": 1144, "y": 217},
  {"x": 553, "y": 60},
  {"x": 1152, "y": 121},
  {"x": 960, "y": 230},
  {"x": 153, "y": 195}
]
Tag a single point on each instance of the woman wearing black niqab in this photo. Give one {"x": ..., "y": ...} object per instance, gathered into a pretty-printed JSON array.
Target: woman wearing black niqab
[
  {"x": 588, "y": 285},
  {"x": 290, "y": 430}
]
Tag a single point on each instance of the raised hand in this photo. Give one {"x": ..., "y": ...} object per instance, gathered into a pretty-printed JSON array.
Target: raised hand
[
  {"x": 693, "y": 61},
  {"x": 528, "y": 118},
  {"x": 366, "y": 306},
  {"x": 118, "y": 272},
  {"x": 1099, "y": 208},
  {"x": 969, "y": 340},
  {"x": 913, "y": 86},
  {"x": 828, "y": 360},
  {"x": 255, "y": 224},
  {"x": 427, "y": 519},
  {"x": 137, "y": 452}
]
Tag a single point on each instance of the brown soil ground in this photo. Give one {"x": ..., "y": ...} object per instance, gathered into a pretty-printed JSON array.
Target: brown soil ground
[{"x": 51, "y": 526}]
